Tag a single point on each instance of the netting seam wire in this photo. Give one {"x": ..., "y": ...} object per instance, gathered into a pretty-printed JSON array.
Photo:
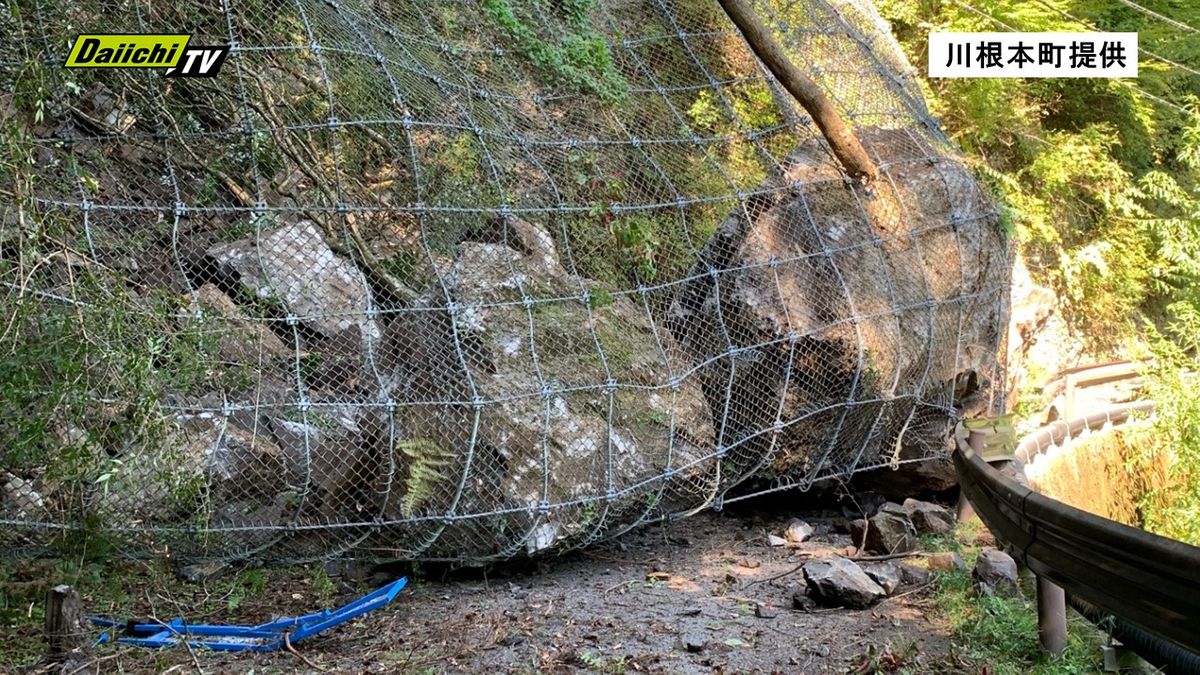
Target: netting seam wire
[
  {"x": 417, "y": 208},
  {"x": 930, "y": 337},
  {"x": 541, "y": 380},
  {"x": 719, "y": 430},
  {"x": 868, "y": 48},
  {"x": 855, "y": 316},
  {"x": 432, "y": 537},
  {"x": 887, "y": 278},
  {"x": 716, "y": 498},
  {"x": 247, "y": 119},
  {"x": 408, "y": 122},
  {"x": 583, "y": 388},
  {"x": 556, "y": 299},
  {"x": 653, "y": 325},
  {"x": 696, "y": 255},
  {"x": 390, "y": 450},
  {"x": 443, "y": 520}
]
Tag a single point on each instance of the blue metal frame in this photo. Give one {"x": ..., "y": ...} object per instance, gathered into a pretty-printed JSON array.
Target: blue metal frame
[{"x": 266, "y": 637}]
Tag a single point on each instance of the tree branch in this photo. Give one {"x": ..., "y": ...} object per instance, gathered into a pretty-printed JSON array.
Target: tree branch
[{"x": 841, "y": 140}]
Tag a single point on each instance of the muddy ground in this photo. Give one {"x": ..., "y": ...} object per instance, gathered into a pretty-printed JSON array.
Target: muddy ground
[{"x": 703, "y": 595}]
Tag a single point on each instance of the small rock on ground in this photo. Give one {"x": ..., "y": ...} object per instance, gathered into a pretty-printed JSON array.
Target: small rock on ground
[
  {"x": 912, "y": 575},
  {"x": 996, "y": 572},
  {"x": 946, "y": 560},
  {"x": 797, "y": 532},
  {"x": 886, "y": 574},
  {"x": 838, "y": 582},
  {"x": 928, "y": 518}
]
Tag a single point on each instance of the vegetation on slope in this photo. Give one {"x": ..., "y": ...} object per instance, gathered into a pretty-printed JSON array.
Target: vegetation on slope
[{"x": 1102, "y": 181}]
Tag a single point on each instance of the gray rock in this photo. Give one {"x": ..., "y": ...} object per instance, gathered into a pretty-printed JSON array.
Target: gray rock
[
  {"x": 693, "y": 640},
  {"x": 293, "y": 265},
  {"x": 928, "y": 518},
  {"x": 888, "y": 531},
  {"x": 797, "y": 532},
  {"x": 803, "y": 602},
  {"x": 911, "y": 575},
  {"x": 553, "y": 420},
  {"x": 775, "y": 540},
  {"x": 838, "y": 582},
  {"x": 996, "y": 572},
  {"x": 886, "y": 574},
  {"x": 240, "y": 339},
  {"x": 20, "y": 496},
  {"x": 817, "y": 301},
  {"x": 764, "y": 611}
]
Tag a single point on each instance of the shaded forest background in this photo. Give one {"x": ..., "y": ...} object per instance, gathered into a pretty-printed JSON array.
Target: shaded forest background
[{"x": 1100, "y": 180}]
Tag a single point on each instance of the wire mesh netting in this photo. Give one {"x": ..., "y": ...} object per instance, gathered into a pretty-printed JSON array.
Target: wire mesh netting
[{"x": 467, "y": 280}]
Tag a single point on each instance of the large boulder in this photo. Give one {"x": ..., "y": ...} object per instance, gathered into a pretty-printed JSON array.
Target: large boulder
[
  {"x": 850, "y": 321},
  {"x": 540, "y": 388}
]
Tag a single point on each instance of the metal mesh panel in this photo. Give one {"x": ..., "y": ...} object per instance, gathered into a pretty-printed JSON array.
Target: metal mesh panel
[{"x": 467, "y": 280}]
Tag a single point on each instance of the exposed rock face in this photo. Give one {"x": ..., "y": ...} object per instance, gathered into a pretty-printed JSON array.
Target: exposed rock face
[
  {"x": 294, "y": 265},
  {"x": 580, "y": 393},
  {"x": 893, "y": 297},
  {"x": 239, "y": 338},
  {"x": 838, "y": 582}
]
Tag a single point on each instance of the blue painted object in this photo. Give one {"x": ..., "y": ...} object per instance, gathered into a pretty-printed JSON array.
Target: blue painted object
[{"x": 265, "y": 637}]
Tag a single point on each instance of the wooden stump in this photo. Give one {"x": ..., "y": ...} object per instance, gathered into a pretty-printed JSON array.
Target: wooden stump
[{"x": 66, "y": 624}]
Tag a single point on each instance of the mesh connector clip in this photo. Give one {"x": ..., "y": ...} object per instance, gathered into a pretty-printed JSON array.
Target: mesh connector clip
[
  {"x": 449, "y": 518},
  {"x": 610, "y": 495},
  {"x": 180, "y": 209},
  {"x": 773, "y": 262},
  {"x": 547, "y": 392},
  {"x": 543, "y": 507},
  {"x": 477, "y": 402},
  {"x": 793, "y": 337},
  {"x": 610, "y": 385},
  {"x": 303, "y": 405},
  {"x": 292, "y": 319},
  {"x": 718, "y": 503},
  {"x": 85, "y": 204},
  {"x": 668, "y": 473},
  {"x": 635, "y": 142},
  {"x": 673, "y": 383},
  {"x": 778, "y": 428},
  {"x": 720, "y": 452},
  {"x": 526, "y": 302},
  {"x": 452, "y": 308}
]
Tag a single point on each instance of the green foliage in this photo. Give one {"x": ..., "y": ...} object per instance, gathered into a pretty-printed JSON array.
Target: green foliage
[
  {"x": 427, "y": 462},
  {"x": 1099, "y": 178},
  {"x": 579, "y": 58},
  {"x": 999, "y": 634},
  {"x": 1174, "y": 511}
]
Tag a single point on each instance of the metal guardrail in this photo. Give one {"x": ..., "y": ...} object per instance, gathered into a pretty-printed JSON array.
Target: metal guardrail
[{"x": 1151, "y": 582}]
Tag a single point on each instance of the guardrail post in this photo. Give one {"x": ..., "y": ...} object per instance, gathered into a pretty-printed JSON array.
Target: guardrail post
[
  {"x": 1052, "y": 617},
  {"x": 1051, "y": 600}
]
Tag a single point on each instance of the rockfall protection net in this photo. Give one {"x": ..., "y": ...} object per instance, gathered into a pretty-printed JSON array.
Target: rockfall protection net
[{"x": 467, "y": 280}]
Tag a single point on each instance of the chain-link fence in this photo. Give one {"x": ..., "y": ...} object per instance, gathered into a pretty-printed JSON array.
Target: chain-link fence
[{"x": 466, "y": 280}]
